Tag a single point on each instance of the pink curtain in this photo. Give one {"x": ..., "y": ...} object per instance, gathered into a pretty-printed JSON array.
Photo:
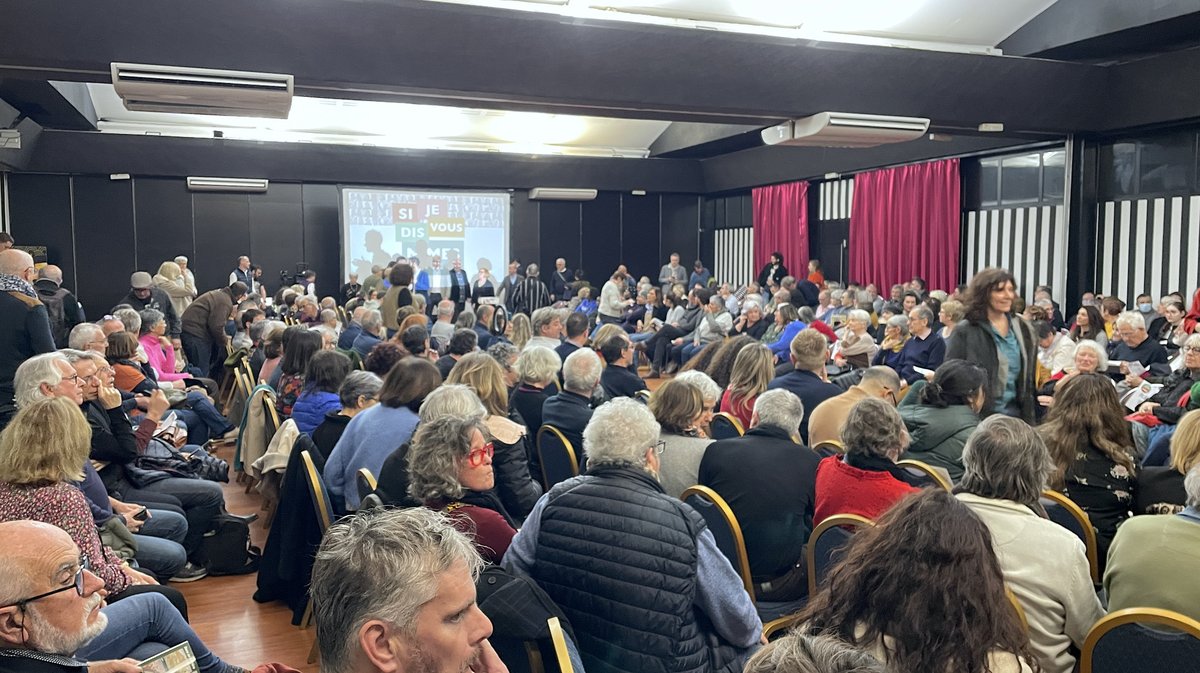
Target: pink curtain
[
  {"x": 904, "y": 222},
  {"x": 781, "y": 224}
]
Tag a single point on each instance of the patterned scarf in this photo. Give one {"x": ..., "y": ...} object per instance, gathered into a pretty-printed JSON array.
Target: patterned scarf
[{"x": 15, "y": 284}]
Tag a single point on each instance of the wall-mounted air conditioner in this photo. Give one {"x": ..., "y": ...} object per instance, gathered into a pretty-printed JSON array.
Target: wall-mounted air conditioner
[
  {"x": 561, "y": 194},
  {"x": 161, "y": 88},
  {"x": 257, "y": 185},
  {"x": 845, "y": 129}
]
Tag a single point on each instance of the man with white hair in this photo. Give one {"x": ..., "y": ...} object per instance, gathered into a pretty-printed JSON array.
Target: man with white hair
[
  {"x": 24, "y": 323},
  {"x": 371, "y": 334},
  {"x": 769, "y": 480},
  {"x": 348, "y": 335},
  {"x": 189, "y": 278},
  {"x": 687, "y": 610},
  {"x": 570, "y": 410},
  {"x": 87, "y": 336},
  {"x": 715, "y": 323},
  {"x": 547, "y": 327},
  {"x": 443, "y": 328},
  {"x": 1135, "y": 345}
]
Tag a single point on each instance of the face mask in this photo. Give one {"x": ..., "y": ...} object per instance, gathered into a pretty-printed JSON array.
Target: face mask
[
  {"x": 1145, "y": 308},
  {"x": 1089, "y": 302}
]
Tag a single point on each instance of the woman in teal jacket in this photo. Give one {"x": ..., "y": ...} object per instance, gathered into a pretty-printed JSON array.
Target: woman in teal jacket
[{"x": 942, "y": 414}]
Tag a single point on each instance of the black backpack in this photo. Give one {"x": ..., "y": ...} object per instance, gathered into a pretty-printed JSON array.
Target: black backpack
[
  {"x": 226, "y": 549},
  {"x": 57, "y": 315}
]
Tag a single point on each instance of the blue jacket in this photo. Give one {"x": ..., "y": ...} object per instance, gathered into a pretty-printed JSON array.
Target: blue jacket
[
  {"x": 346, "y": 340},
  {"x": 368, "y": 440},
  {"x": 311, "y": 407},
  {"x": 782, "y": 348},
  {"x": 364, "y": 342},
  {"x": 927, "y": 354}
]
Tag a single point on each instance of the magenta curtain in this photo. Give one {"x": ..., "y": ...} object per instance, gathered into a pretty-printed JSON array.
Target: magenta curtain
[
  {"x": 904, "y": 222},
  {"x": 781, "y": 224}
]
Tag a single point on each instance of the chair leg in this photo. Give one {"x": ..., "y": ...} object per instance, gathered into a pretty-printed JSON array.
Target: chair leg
[
  {"x": 306, "y": 620},
  {"x": 313, "y": 652}
]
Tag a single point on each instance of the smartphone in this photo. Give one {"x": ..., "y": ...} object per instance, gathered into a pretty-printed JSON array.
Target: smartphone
[{"x": 142, "y": 514}]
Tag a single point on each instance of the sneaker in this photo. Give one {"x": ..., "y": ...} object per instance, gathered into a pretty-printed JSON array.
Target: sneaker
[{"x": 190, "y": 572}]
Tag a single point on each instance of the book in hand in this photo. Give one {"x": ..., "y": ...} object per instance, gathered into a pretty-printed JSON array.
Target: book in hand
[{"x": 178, "y": 659}]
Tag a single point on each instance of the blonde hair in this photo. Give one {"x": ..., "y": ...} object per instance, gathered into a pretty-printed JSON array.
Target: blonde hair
[
  {"x": 48, "y": 440},
  {"x": 1185, "y": 443},
  {"x": 522, "y": 330},
  {"x": 753, "y": 369},
  {"x": 416, "y": 319},
  {"x": 676, "y": 406},
  {"x": 954, "y": 309},
  {"x": 481, "y": 373},
  {"x": 170, "y": 270},
  {"x": 605, "y": 332}
]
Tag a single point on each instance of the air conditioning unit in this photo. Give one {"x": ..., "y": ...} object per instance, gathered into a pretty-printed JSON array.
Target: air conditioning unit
[
  {"x": 161, "y": 88},
  {"x": 846, "y": 129},
  {"x": 561, "y": 194},
  {"x": 255, "y": 185}
]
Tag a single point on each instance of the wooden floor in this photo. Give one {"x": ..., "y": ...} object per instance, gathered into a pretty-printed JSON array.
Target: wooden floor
[{"x": 239, "y": 630}]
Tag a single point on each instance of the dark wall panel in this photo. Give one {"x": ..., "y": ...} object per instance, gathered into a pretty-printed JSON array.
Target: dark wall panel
[
  {"x": 640, "y": 227},
  {"x": 277, "y": 231},
  {"x": 163, "y": 224},
  {"x": 601, "y": 236},
  {"x": 525, "y": 232},
  {"x": 322, "y": 236},
  {"x": 560, "y": 237},
  {"x": 40, "y": 210},
  {"x": 105, "y": 241},
  {"x": 222, "y": 235},
  {"x": 680, "y": 226}
]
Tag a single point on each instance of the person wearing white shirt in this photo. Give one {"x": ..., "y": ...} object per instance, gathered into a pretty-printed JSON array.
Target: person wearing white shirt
[
  {"x": 1056, "y": 350},
  {"x": 612, "y": 301}
]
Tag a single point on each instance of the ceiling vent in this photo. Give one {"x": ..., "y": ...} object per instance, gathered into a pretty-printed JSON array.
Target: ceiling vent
[
  {"x": 256, "y": 185},
  {"x": 845, "y": 129},
  {"x": 160, "y": 88},
  {"x": 561, "y": 194}
]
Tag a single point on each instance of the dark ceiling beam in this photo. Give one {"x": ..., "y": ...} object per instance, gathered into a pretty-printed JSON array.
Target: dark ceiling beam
[
  {"x": 104, "y": 153},
  {"x": 775, "y": 164},
  {"x": 457, "y": 54},
  {"x": 689, "y": 140},
  {"x": 1154, "y": 91},
  {"x": 66, "y": 105},
  {"x": 1091, "y": 28}
]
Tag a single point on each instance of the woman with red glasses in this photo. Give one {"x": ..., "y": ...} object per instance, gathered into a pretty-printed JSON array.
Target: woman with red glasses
[{"x": 450, "y": 470}]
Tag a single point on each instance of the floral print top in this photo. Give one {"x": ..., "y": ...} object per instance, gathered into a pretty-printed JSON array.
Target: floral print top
[{"x": 1103, "y": 489}]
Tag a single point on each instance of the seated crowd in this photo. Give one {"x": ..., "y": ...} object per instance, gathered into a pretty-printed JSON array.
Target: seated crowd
[{"x": 794, "y": 399}]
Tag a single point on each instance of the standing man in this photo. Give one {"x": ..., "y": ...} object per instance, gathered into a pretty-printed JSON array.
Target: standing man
[
  {"x": 61, "y": 306},
  {"x": 6, "y": 241},
  {"x": 508, "y": 285},
  {"x": 531, "y": 294},
  {"x": 203, "y": 331},
  {"x": 351, "y": 289},
  {"x": 24, "y": 324},
  {"x": 439, "y": 282},
  {"x": 371, "y": 282},
  {"x": 560, "y": 281},
  {"x": 460, "y": 285},
  {"x": 242, "y": 274},
  {"x": 189, "y": 278},
  {"x": 672, "y": 273},
  {"x": 700, "y": 275},
  {"x": 612, "y": 302},
  {"x": 143, "y": 295}
]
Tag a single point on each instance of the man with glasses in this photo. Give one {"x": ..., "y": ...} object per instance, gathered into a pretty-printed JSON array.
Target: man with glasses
[
  {"x": 24, "y": 323},
  {"x": 825, "y": 422},
  {"x": 618, "y": 380},
  {"x": 1135, "y": 345},
  {"x": 53, "y": 616},
  {"x": 926, "y": 349},
  {"x": 665, "y": 596}
]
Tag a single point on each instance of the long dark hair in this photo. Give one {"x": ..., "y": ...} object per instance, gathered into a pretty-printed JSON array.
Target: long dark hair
[
  {"x": 1095, "y": 324},
  {"x": 979, "y": 292},
  {"x": 299, "y": 349},
  {"x": 1086, "y": 412},
  {"x": 326, "y": 371},
  {"x": 721, "y": 367},
  {"x": 927, "y": 578},
  {"x": 954, "y": 383}
]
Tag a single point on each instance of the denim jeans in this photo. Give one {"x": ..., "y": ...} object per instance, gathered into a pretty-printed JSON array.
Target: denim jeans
[
  {"x": 199, "y": 352},
  {"x": 144, "y": 625},
  {"x": 160, "y": 543},
  {"x": 196, "y": 428},
  {"x": 202, "y": 501}
]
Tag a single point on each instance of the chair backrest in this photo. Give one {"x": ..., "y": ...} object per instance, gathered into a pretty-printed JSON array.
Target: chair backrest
[
  {"x": 725, "y": 425},
  {"x": 1012, "y": 599},
  {"x": 272, "y": 415},
  {"x": 829, "y": 447},
  {"x": 556, "y": 455},
  {"x": 824, "y": 547},
  {"x": 370, "y": 501},
  {"x": 642, "y": 396},
  {"x": 1124, "y": 642},
  {"x": 923, "y": 469},
  {"x": 559, "y": 639},
  {"x": 316, "y": 490},
  {"x": 1063, "y": 511},
  {"x": 365, "y": 481},
  {"x": 725, "y": 529}
]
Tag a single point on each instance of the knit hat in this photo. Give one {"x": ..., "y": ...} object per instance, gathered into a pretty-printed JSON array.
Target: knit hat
[{"x": 141, "y": 280}]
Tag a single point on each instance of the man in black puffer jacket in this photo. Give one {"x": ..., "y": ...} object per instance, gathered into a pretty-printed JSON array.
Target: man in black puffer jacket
[{"x": 636, "y": 571}]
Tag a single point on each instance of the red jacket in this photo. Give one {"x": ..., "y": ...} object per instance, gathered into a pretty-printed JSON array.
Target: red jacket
[{"x": 842, "y": 489}]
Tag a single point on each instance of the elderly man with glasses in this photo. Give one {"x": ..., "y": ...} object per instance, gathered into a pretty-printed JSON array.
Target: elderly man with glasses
[
  {"x": 666, "y": 597},
  {"x": 24, "y": 323},
  {"x": 53, "y": 616}
]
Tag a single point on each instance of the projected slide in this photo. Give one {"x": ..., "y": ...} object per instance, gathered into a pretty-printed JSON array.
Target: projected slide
[{"x": 381, "y": 225}]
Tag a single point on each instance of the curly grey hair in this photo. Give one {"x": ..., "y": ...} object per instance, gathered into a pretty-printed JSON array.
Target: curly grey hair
[
  {"x": 619, "y": 433},
  {"x": 130, "y": 319},
  {"x": 452, "y": 399},
  {"x": 874, "y": 428},
  {"x": 1094, "y": 347},
  {"x": 538, "y": 365},
  {"x": 358, "y": 384},
  {"x": 1006, "y": 459},
  {"x": 381, "y": 564},
  {"x": 802, "y": 653},
  {"x": 709, "y": 390},
  {"x": 434, "y": 454},
  {"x": 150, "y": 317}
]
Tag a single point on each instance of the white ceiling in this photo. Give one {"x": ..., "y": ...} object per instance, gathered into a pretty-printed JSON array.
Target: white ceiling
[{"x": 351, "y": 122}]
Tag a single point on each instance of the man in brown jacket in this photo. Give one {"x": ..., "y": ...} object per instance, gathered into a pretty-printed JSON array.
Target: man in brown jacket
[
  {"x": 825, "y": 422},
  {"x": 203, "y": 333}
]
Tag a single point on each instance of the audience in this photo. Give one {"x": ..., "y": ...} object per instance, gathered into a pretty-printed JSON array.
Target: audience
[
  {"x": 462, "y": 344},
  {"x": 1158, "y": 415},
  {"x": 924, "y": 350},
  {"x": 1133, "y": 344},
  {"x": 370, "y": 334},
  {"x": 570, "y": 410},
  {"x": 809, "y": 353},
  {"x": 359, "y": 391},
  {"x": 323, "y": 379},
  {"x": 1006, "y": 466},
  {"x": 297, "y": 351},
  {"x": 618, "y": 379},
  {"x": 826, "y": 421},
  {"x": 941, "y": 415},
  {"x": 1159, "y": 489},
  {"x": 800, "y": 653},
  {"x": 687, "y": 608},
  {"x": 891, "y": 347},
  {"x": 768, "y": 479},
  {"x": 383, "y": 357},
  {"x": 537, "y": 368},
  {"x": 855, "y": 346},
  {"x": 62, "y": 307},
  {"x": 679, "y": 410},
  {"x": 880, "y": 598},
  {"x": 753, "y": 369},
  {"x": 547, "y": 326},
  {"x": 143, "y": 295}
]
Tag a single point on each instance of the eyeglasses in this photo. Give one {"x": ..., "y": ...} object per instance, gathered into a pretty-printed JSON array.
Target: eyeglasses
[
  {"x": 476, "y": 456},
  {"x": 1192, "y": 349},
  {"x": 77, "y": 585},
  {"x": 73, "y": 378},
  {"x": 660, "y": 446}
]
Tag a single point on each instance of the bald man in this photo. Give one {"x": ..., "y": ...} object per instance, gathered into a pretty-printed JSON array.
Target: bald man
[
  {"x": 24, "y": 323},
  {"x": 61, "y": 305},
  {"x": 53, "y": 616}
]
